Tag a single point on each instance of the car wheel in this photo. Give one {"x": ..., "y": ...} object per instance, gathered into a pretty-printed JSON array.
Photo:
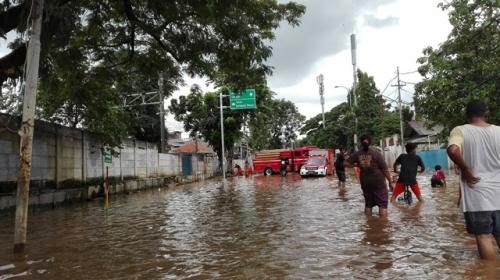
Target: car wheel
[{"x": 268, "y": 171}]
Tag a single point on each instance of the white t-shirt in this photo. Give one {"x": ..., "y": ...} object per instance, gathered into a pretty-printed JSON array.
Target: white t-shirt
[{"x": 480, "y": 148}]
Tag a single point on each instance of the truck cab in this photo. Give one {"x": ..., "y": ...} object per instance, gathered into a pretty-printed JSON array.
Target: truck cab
[{"x": 319, "y": 163}]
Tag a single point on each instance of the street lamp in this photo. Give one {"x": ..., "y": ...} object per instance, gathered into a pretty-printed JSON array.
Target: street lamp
[{"x": 348, "y": 95}]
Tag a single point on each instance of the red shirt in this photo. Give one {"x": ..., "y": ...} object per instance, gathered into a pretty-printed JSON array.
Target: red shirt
[{"x": 439, "y": 175}]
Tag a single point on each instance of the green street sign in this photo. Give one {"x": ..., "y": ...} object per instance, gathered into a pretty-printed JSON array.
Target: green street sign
[
  {"x": 242, "y": 100},
  {"x": 108, "y": 158}
]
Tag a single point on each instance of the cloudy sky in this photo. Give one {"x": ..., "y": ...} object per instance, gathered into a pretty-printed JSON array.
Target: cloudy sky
[{"x": 389, "y": 33}]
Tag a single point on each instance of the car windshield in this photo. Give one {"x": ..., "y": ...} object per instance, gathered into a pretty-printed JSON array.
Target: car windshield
[{"x": 316, "y": 160}]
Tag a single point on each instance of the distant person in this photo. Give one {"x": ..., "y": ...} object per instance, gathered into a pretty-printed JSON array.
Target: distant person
[
  {"x": 409, "y": 163},
  {"x": 438, "y": 179},
  {"x": 373, "y": 174},
  {"x": 239, "y": 171},
  {"x": 248, "y": 169},
  {"x": 283, "y": 166},
  {"x": 340, "y": 169},
  {"x": 475, "y": 149}
]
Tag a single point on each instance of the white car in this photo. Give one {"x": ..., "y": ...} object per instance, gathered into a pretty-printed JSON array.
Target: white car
[{"x": 315, "y": 166}]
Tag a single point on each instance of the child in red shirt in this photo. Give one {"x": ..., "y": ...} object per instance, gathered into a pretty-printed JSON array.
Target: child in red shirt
[{"x": 438, "y": 178}]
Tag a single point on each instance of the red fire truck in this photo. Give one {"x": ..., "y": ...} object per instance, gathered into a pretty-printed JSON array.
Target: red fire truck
[{"x": 269, "y": 161}]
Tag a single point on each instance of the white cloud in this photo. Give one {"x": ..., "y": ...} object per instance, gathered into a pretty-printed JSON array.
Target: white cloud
[{"x": 379, "y": 52}]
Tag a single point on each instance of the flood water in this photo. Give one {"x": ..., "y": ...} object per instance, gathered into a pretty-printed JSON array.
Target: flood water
[{"x": 256, "y": 228}]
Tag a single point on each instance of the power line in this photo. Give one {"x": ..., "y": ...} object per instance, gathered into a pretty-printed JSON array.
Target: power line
[
  {"x": 382, "y": 92},
  {"x": 406, "y": 73},
  {"x": 411, "y": 83},
  {"x": 407, "y": 91}
]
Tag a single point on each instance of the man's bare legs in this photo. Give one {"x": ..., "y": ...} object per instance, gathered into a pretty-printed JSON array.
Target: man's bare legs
[
  {"x": 382, "y": 212},
  {"x": 485, "y": 247}
]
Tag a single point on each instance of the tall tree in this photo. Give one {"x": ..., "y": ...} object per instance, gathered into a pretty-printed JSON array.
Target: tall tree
[
  {"x": 466, "y": 66},
  {"x": 91, "y": 48}
]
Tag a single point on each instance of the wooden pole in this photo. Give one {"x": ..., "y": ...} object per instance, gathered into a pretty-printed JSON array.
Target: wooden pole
[{"x": 27, "y": 127}]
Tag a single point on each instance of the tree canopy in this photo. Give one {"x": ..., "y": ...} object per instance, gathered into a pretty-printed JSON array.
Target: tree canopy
[
  {"x": 94, "y": 52},
  {"x": 464, "y": 67},
  {"x": 199, "y": 112},
  {"x": 374, "y": 118},
  {"x": 274, "y": 125}
]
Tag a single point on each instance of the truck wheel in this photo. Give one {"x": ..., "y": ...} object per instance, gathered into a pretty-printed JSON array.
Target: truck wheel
[{"x": 268, "y": 171}]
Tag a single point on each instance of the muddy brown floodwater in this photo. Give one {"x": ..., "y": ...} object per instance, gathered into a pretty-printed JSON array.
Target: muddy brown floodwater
[{"x": 256, "y": 228}]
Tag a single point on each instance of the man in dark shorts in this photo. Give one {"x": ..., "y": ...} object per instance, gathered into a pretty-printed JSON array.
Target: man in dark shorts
[
  {"x": 374, "y": 173},
  {"x": 408, "y": 174},
  {"x": 339, "y": 168},
  {"x": 475, "y": 149}
]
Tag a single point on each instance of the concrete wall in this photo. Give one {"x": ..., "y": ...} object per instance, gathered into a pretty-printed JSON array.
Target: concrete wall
[{"x": 61, "y": 153}]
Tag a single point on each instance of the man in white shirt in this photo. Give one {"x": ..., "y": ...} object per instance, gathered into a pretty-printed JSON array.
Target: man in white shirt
[{"x": 475, "y": 149}]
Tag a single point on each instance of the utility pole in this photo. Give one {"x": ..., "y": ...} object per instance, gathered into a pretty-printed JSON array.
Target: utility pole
[
  {"x": 162, "y": 113},
  {"x": 27, "y": 127},
  {"x": 319, "y": 79},
  {"x": 399, "y": 85},
  {"x": 354, "y": 84},
  {"x": 222, "y": 137}
]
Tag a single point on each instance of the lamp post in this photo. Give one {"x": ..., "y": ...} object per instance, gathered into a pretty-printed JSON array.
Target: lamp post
[
  {"x": 354, "y": 84},
  {"x": 348, "y": 95}
]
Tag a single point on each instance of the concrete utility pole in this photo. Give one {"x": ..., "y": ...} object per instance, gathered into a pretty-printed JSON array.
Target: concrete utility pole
[
  {"x": 354, "y": 84},
  {"x": 399, "y": 85},
  {"x": 319, "y": 79},
  {"x": 222, "y": 137},
  {"x": 162, "y": 114},
  {"x": 27, "y": 127}
]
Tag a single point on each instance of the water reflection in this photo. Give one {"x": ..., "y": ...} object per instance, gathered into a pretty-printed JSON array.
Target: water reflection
[{"x": 248, "y": 228}]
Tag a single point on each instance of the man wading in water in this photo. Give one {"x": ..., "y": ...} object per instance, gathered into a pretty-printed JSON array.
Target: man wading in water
[
  {"x": 475, "y": 149},
  {"x": 374, "y": 172}
]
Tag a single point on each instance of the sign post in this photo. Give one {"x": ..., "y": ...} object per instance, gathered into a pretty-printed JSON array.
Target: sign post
[
  {"x": 237, "y": 101},
  {"x": 108, "y": 159}
]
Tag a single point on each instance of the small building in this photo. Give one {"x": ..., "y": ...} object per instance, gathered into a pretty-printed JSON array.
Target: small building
[{"x": 426, "y": 138}]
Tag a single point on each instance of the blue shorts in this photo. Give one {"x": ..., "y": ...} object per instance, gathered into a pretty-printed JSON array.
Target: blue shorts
[{"x": 483, "y": 222}]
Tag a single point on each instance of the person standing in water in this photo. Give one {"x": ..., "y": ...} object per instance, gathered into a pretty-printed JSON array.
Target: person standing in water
[
  {"x": 475, "y": 149},
  {"x": 374, "y": 173},
  {"x": 339, "y": 168}
]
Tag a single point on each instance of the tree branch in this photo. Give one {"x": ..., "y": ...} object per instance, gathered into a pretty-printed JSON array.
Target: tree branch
[
  {"x": 10, "y": 64},
  {"x": 146, "y": 28},
  {"x": 10, "y": 19}
]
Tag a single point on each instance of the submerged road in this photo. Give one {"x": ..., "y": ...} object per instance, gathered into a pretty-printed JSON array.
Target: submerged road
[{"x": 255, "y": 228}]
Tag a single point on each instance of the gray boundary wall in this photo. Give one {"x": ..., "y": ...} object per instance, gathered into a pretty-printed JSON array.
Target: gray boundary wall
[{"x": 62, "y": 153}]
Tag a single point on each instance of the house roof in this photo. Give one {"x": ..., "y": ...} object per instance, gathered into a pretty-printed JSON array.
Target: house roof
[
  {"x": 421, "y": 129},
  {"x": 193, "y": 148}
]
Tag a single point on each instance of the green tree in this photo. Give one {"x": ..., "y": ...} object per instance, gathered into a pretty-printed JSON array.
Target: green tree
[
  {"x": 275, "y": 124},
  {"x": 338, "y": 131},
  {"x": 466, "y": 66},
  {"x": 374, "y": 118},
  {"x": 92, "y": 49},
  {"x": 199, "y": 112}
]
